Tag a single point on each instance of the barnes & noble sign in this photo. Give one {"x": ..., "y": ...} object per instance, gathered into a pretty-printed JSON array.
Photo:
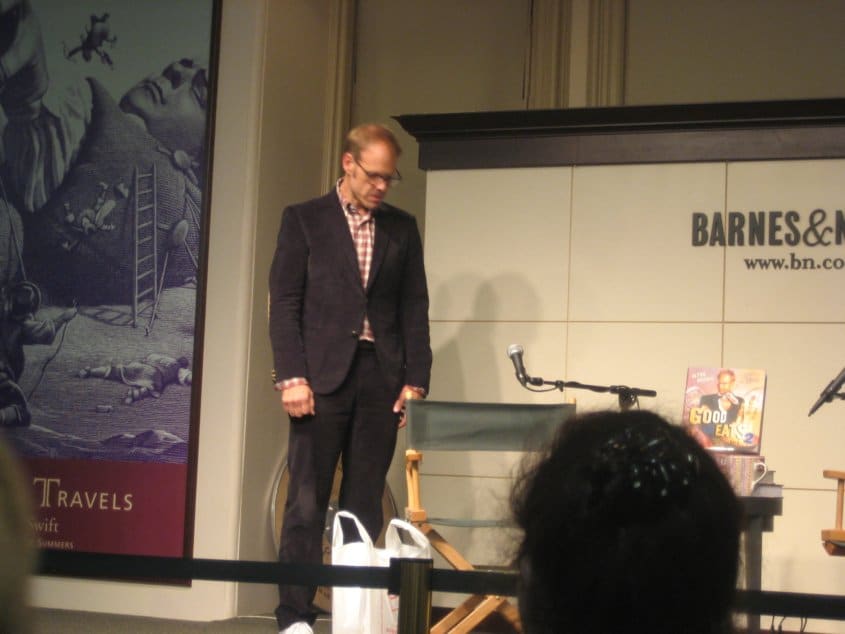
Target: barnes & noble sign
[{"x": 817, "y": 228}]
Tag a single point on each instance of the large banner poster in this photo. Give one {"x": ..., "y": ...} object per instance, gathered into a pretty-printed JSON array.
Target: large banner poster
[{"x": 106, "y": 114}]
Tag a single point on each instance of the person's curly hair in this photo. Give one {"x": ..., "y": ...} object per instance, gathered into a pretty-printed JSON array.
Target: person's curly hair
[{"x": 629, "y": 526}]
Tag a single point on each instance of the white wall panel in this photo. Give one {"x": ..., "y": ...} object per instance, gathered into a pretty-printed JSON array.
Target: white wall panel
[
  {"x": 650, "y": 356},
  {"x": 471, "y": 362},
  {"x": 815, "y": 191},
  {"x": 631, "y": 259},
  {"x": 500, "y": 248}
]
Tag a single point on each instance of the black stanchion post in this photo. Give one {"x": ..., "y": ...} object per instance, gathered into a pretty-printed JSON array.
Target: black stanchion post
[{"x": 414, "y": 595}]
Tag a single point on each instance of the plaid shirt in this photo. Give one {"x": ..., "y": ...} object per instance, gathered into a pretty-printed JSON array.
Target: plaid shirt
[{"x": 362, "y": 227}]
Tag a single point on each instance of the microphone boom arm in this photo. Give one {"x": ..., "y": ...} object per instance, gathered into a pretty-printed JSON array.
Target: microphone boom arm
[{"x": 627, "y": 395}]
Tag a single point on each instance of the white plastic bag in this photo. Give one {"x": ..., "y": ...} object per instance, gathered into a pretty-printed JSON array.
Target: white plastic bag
[
  {"x": 353, "y": 608},
  {"x": 394, "y": 547},
  {"x": 370, "y": 610}
]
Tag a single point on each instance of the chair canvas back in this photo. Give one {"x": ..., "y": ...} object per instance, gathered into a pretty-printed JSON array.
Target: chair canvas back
[{"x": 459, "y": 426}]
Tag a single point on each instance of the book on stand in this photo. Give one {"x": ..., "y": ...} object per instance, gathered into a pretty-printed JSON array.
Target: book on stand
[{"x": 723, "y": 408}]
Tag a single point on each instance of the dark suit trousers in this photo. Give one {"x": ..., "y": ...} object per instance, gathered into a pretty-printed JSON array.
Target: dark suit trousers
[{"x": 356, "y": 422}]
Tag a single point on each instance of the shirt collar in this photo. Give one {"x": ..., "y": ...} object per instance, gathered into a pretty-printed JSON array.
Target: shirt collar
[{"x": 349, "y": 207}]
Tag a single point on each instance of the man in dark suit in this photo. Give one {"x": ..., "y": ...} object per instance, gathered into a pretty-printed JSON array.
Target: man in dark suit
[{"x": 350, "y": 337}]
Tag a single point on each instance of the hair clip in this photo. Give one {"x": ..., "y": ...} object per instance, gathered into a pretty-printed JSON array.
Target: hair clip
[{"x": 636, "y": 471}]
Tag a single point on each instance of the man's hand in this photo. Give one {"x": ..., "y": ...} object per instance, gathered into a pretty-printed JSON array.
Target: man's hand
[
  {"x": 298, "y": 401},
  {"x": 407, "y": 393},
  {"x": 728, "y": 400}
]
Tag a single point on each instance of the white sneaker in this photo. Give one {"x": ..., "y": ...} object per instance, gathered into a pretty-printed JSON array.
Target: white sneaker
[{"x": 300, "y": 627}]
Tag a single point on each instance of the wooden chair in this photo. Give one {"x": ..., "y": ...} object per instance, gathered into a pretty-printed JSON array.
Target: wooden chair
[
  {"x": 452, "y": 426},
  {"x": 833, "y": 539}
]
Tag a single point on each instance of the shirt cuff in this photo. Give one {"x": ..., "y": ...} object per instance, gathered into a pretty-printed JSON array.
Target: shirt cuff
[{"x": 280, "y": 386}]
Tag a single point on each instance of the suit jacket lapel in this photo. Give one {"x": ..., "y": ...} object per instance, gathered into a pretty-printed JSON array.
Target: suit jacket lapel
[{"x": 341, "y": 236}]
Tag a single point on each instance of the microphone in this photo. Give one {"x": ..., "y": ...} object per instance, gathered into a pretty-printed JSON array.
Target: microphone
[
  {"x": 829, "y": 392},
  {"x": 515, "y": 353}
]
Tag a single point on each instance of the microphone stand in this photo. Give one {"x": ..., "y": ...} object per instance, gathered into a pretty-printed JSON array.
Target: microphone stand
[
  {"x": 831, "y": 392},
  {"x": 833, "y": 397},
  {"x": 627, "y": 396}
]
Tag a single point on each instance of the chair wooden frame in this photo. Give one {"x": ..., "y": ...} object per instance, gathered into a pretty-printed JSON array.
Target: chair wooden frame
[
  {"x": 833, "y": 539},
  {"x": 542, "y": 421}
]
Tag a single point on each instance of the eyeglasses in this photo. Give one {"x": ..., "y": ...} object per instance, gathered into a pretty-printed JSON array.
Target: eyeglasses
[{"x": 374, "y": 177}]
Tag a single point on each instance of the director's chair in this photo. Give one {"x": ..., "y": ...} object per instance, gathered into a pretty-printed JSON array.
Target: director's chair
[
  {"x": 833, "y": 539},
  {"x": 454, "y": 426}
]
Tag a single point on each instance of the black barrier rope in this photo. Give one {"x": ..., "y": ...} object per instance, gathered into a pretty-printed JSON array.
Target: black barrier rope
[
  {"x": 101, "y": 565},
  {"x": 813, "y": 606}
]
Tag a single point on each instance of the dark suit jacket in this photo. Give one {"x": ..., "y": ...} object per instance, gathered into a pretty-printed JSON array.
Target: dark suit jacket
[{"x": 317, "y": 301}]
